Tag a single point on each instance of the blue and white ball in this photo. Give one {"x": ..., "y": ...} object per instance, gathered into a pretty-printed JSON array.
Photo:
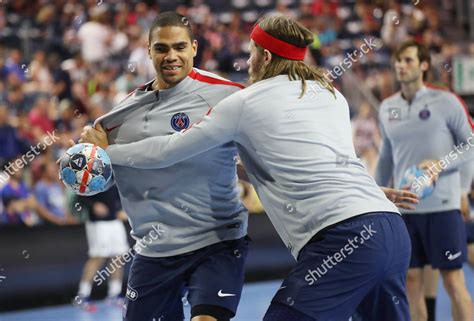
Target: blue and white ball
[
  {"x": 417, "y": 181},
  {"x": 86, "y": 169}
]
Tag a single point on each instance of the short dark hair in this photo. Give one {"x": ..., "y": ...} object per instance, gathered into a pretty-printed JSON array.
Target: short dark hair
[
  {"x": 171, "y": 19},
  {"x": 422, "y": 51}
]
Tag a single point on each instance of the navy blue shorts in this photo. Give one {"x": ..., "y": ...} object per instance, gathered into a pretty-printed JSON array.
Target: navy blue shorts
[
  {"x": 470, "y": 231},
  {"x": 437, "y": 239},
  {"x": 357, "y": 266},
  {"x": 213, "y": 276}
]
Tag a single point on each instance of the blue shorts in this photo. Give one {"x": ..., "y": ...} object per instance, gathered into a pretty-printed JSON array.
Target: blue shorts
[
  {"x": 213, "y": 276},
  {"x": 470, "y": 231},
  {"x": 437, "y": 239},
  {"x": 357, "y": 266}
]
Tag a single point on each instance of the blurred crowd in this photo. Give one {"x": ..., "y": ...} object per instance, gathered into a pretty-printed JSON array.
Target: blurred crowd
[{"x": 63, "y": 63}]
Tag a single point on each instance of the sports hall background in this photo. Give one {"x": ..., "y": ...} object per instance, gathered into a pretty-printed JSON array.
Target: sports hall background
[{"x": 52, "y": 79}]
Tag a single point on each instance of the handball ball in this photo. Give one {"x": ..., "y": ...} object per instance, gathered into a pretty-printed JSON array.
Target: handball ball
[
  {"x": 417, "y": 181},
  {"x": 86, "y": 169}
]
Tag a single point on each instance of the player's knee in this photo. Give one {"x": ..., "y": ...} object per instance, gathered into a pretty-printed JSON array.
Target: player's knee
[
  {"x": 207, "y": 312},
  {"x": 470, "y": 255},
  {"x": 414, "y": 280},
  {"x": 452, "y": 280}
]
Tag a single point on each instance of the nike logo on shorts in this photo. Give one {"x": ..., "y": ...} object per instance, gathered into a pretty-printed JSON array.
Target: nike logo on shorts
[
  {"x": 222, "y": 295},
  {"x": 451, "y": 256}
]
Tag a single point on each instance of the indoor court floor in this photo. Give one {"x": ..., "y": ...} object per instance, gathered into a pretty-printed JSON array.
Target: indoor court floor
[{"x": 255, "y": 299}]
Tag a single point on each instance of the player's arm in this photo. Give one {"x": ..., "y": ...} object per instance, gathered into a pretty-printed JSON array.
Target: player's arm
[
  {"x": 384, "y": 169},
  {"x": 220, "y": 125},
  {"x": 460, "y": 125}
]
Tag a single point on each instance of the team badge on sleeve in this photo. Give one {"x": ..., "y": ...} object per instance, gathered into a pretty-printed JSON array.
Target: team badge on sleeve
[{"x": 179, "y": 121}]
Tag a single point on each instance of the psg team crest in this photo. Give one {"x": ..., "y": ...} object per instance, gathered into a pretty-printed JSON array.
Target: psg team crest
[
  {"x": 424, "y": 114},
  {"x": 179, "y": 121}
]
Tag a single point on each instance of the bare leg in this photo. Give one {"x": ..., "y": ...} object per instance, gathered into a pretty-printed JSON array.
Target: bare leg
[
  {"x": 415, "y": 294},
  {"x": 461, "y": 303}
]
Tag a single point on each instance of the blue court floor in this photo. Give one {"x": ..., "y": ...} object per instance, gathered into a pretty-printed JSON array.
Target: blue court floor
[{"x": 255, "y": 299}]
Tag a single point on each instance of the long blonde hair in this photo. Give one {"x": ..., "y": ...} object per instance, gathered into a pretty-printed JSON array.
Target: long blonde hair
[{"x": 290, "y": 31}]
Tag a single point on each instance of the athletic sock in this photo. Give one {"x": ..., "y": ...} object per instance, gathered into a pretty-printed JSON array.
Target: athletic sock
[
  {"x": 431, "y": 308},
  {"x": 115, "y": 288},
  {"x": 85, "y": 289}
]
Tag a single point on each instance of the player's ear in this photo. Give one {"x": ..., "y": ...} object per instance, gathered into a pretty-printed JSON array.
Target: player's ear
[
  {"x": 267, "y": 57},
  {"x": 424, "y": 66},
  {"x": 194, "y": 46},
  {"x": 149, "y": 51}
]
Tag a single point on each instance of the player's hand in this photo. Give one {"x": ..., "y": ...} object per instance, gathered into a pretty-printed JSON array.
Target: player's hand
[
  {"x": 432, "y": 167},
  {"x": 70, "y": 143},
  {"x": 96, "y": 136},
  {"x": 402, "y": 199}
]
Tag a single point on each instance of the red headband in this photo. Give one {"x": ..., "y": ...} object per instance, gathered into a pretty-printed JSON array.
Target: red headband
[{"x": 276, "y": 46}]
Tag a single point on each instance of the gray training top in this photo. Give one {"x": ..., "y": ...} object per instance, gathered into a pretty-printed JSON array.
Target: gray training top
[
  {"x": 191, "y": 204},
  {"x": 434, "y": 126},
  {"x": 298, "y": 154}
]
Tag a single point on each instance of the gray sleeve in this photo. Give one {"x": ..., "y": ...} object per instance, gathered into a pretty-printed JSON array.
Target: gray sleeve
[
  {"x": 467, "y": 171},
  {"x": 460, "y": 125},
  {"x": 219, "y": 126},
  {"x": 384, "y": 169}
]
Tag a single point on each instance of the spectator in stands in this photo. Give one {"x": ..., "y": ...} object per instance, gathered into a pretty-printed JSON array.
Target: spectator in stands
[
  {"x": 16, "y": 99},
  {"x": 41, "y": 78},
  {"x": 40, "y": 117},
  {"x": 20, "y": 205},
  {"x": 96, "y": 36},
  {"x": 366, "y": 136},
  {"x": 15, "y": 72},
  {"x": 11, "y": 144},
  {"x": 49, "y": 190},
  {"x": 3, "y": 70},
  {"x": 62, "y": 85}
]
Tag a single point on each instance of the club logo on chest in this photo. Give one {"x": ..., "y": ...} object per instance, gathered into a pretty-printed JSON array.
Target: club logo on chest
[{"x": 179, "y": 121}]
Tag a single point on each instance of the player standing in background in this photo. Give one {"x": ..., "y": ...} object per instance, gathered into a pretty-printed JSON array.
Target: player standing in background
[
  {"x": 420, "y": 126},
  {"x": 106, "y": 238},
  {"x": 195, "y": 205},
  {"x": 293, "y": 133}
]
